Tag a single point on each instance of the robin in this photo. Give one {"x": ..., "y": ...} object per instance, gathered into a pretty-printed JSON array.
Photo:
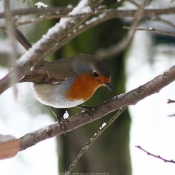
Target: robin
[{"x": 67, "y": 82}]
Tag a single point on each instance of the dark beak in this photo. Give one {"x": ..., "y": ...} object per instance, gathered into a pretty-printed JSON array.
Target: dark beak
[{"x": 108, "y": 86}]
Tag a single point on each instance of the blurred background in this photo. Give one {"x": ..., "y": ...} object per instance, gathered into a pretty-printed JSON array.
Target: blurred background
[{"x": 146, "y": 124}]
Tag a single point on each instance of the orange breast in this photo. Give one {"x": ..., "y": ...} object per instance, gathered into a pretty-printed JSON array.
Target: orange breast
[{"x": 83, "y": 87}]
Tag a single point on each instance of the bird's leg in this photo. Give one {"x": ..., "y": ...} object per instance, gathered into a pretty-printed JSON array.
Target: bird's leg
[
  {"x": 61, "y": 120},
  {"x": 57, "y": 117}
]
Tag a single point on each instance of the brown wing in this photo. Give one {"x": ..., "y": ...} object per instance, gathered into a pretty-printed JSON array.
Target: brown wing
[{"x": 52, "y": 73}]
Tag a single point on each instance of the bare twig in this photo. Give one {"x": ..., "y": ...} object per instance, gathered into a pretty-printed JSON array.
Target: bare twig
[
  {"x": 51, "y": 13},
  {"x": 10, "y": 31},
  {"x": 92, "y": 140},
  {"x": 47, "y": 17},
  {"x": 37, "y": 11},
  {"x": 151, "y": 30},
  {"x": 75, "y": 121},
  {"x": 156, "y": 156},
  {"x": 171, "y": 115},
  {"x": 114, "y": 13},
  {"x": 170, "y": 101},
  {"x": 158, "y": 18}
]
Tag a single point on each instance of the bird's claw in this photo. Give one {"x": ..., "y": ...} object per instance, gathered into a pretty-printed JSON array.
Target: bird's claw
[{"x": 62, "y": 122}]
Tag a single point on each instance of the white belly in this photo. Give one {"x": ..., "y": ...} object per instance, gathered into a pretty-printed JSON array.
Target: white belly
[{"x": 53, "y": 95}]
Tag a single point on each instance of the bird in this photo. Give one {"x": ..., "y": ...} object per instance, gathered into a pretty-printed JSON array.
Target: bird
[{"x": 66, "y": 82}]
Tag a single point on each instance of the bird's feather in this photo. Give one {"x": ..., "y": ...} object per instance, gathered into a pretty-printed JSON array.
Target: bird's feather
[{"x": 50, "y": 72}]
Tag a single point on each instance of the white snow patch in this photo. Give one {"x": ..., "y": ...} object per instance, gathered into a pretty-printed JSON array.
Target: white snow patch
[
  {"x": 82, "y": 7},
  {"x": 40, "y": 5},
  {"x": 66, "y": 115},
  {"x": 120, "y": 95},
  {"x": 91, "y": 20},
  {"x": 69, "y": 6},
  {"x": 103, "y": 125}
]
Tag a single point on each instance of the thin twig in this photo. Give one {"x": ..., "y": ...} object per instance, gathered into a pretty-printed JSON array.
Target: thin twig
[
  {"x": 158, "y": 18},
  {"x": 171, "y": 115},
  {"x": 51, "y": 13},
  {"x": 170, "y": 101},
  {"x": 156, "y": 156},
  {"x": 47, "y": 17},
  {"x": 13, "y": 54},
  {"x": 92, "y": 140},
  {"x": 9, "y": 26},
  {"x": 113, "y": 12},
  {"x": 37, "y": 11},
  {"x": 151, "y": 30}
]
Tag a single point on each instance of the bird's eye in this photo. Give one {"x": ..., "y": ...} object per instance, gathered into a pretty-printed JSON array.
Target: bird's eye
[{"x": 95, "y": 74}]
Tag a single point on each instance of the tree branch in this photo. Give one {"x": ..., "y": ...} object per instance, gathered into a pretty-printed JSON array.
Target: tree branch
[
  {"x": 9, "y": 29},
  {"x": 151, "y": 30},
  {"x": 159, "y": 19},
  {"x": 75, "y": 121},
  {"x": 156, "y": 156},
  {"x": 170, "y": 101},
  {"x": 51, "y": 13},
  {"x": 110, "y": 12},
  {"x": 37, "y": 11}
]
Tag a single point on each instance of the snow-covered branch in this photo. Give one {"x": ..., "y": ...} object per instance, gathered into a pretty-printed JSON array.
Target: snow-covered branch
[
  {"x": 51, "y": 13},
  {"x": 112, "y": 13}
]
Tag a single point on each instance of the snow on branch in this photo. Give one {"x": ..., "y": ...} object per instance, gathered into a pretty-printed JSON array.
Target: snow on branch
[{"x": 62, "y": 12}]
